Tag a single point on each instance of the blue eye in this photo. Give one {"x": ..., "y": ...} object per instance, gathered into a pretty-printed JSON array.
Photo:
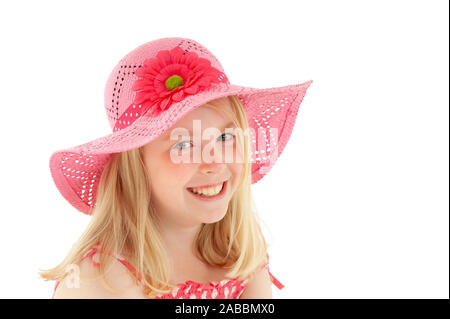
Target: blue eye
[
  {"x": 182, "y": 143},
  {"x": 221, "y": 136}
]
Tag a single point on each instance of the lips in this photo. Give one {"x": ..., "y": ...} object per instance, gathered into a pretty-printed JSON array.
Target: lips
[
  {"x": 220, "y": 195},
  {"x": 208, "y": 185}
]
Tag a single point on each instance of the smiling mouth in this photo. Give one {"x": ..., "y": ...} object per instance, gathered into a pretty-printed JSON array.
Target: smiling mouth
[{"x": 208, "y": 192}]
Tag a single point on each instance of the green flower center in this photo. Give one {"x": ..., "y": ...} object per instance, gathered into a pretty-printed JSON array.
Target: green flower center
[{"x": 174, "y": 81}]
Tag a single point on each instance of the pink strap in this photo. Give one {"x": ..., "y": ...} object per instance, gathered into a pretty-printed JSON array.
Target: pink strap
[
  {"x": 275, "y": 281},
  {"x": 94, "y": 250}
]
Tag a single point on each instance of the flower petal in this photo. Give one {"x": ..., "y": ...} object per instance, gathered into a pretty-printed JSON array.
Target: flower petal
[
  {"x": 192, "y": 89},
  {"x": 141, "y": 84},
  {"x": 171, "y": 70},
  {"x": 191, "y": 59},
  {"x": 193, "y": 78},
  {"x": 204, "y": 61},
  {"x": 176, "y": 53},
  {"x": 204, "y": 81},
  {"x": 154, "y": 109},
  {"x": 144, "y": 96},
  {"x": 164, "y": 103},
  {"x": 140, "y": 72},
  {"x": 178, "y": 96},
  {"x": 149, "y": 62},
  {"x": 164, "y": 58},
  {"x": 149, "y": 66},
  {"x": 201, "y": 67}
]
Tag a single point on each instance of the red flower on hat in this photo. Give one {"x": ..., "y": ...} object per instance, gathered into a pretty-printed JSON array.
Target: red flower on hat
[{"x": 171, "y": 76}]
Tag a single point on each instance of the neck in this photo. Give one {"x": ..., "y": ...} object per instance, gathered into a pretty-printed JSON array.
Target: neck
[{"x": 179, "y": 241}]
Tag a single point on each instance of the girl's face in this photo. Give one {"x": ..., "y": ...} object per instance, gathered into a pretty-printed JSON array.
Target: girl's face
[{"x": 202, "y": 131}]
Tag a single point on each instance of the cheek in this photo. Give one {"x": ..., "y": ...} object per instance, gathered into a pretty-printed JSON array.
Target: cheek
[
  {"x": 236, "y": 169},
  {"x": 179, "y": 171},
  {"x": 167, "y": 175}
]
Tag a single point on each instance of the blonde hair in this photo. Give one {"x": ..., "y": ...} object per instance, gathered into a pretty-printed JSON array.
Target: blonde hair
[{"x": 124, "y": 222}]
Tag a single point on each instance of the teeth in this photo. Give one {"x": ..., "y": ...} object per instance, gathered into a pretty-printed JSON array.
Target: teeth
[{"x": 210, "y": 191}]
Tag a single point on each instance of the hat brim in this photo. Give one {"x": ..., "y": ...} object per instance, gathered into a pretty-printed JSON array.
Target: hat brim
[{"x": 76, "y": 171}]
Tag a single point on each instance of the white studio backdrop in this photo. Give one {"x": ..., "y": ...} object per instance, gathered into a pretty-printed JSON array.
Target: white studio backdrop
[{"x": 357, "y": 204}]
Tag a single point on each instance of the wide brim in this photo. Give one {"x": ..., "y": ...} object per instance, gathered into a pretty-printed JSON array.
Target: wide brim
[{"x": 76, "y": 171}]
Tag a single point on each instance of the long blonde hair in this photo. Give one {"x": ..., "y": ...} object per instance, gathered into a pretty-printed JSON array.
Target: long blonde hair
[{"x": 124, "y": 222}]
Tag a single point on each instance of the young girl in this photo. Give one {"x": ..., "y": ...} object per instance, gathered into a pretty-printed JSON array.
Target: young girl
[{"x": 169, "y": 191}]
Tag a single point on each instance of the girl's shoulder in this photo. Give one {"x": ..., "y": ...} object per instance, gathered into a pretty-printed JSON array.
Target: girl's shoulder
[
  {"x": 260, "y": 283},
  {"x": 87, "y": 282}
]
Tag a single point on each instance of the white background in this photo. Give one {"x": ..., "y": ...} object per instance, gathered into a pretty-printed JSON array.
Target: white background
[{"x": 357, "y": 205}]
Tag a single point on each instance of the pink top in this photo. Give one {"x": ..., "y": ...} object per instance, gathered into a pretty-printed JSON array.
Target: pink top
[{"x": 224, "y": 289}]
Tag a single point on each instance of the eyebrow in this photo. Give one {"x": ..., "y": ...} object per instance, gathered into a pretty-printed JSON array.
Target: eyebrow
[{"x": 229, "y": 124}]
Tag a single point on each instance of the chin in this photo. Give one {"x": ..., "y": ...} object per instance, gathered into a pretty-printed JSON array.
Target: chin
[{"x": 213, "y": 217}]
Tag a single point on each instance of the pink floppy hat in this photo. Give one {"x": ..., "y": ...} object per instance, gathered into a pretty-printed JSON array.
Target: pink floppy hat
[{"x": 149, "y": 90}]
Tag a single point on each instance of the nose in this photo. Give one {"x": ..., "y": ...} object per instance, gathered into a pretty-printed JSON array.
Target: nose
[
  {"x": 212, "y": 168},
  {"x": 212, "y": 162}
]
